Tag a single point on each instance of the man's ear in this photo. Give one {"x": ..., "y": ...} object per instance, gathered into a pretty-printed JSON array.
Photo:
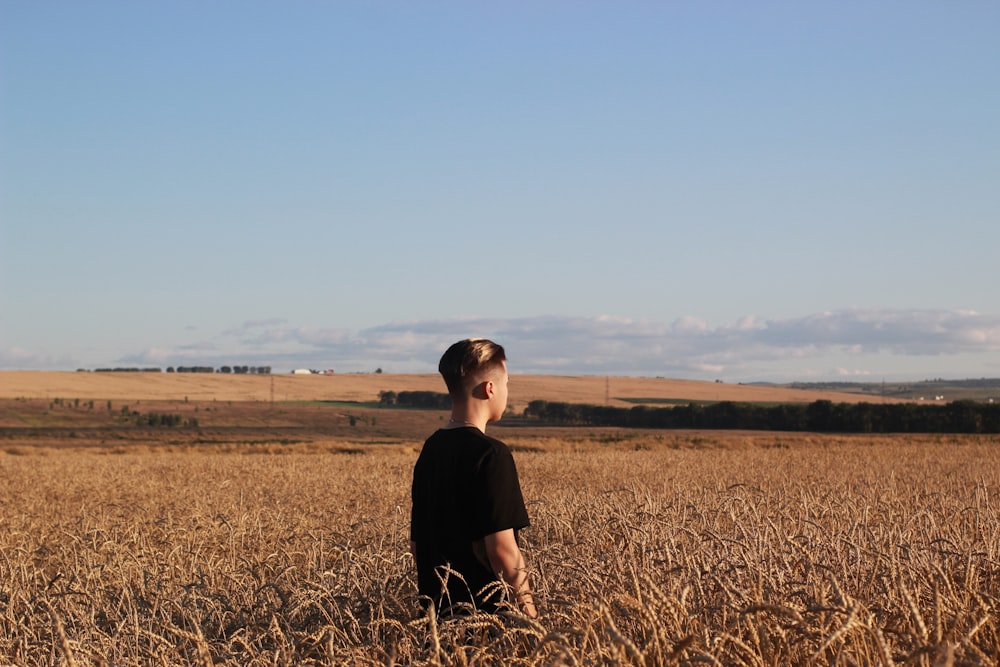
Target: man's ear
[{"x": 483, "y": 390}]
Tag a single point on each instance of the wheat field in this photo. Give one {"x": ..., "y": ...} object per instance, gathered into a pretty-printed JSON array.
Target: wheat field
[
  {"x": 650, "y": 549},
  {"x": 366, "y": 387}
]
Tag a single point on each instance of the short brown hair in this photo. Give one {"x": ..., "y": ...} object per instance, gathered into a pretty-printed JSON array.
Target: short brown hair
[{"x": 468, "y": 362}]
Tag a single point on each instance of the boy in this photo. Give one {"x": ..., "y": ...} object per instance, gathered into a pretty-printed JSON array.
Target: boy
[{"x": 467, "y": 502}]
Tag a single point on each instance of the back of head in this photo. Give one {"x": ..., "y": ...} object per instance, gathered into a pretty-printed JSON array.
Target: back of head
[{"x": 468, "y": 362}]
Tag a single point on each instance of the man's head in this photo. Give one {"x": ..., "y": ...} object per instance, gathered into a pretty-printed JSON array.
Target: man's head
[{"x": 468, "y": 364}]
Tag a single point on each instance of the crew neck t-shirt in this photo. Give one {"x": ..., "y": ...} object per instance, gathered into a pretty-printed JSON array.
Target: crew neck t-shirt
[{"x": 465, "y": 487}]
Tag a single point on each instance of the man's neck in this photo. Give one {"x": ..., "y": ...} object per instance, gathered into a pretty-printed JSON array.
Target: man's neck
[{"x": 463, "y": 419}]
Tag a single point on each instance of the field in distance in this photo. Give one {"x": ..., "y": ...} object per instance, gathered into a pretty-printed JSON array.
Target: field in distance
[
  {"x": 365, "y": 387},
  {"x": 337, "y": 412}
]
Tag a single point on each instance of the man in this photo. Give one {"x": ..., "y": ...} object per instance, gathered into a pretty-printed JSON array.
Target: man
[{"x": 467, "y": 502}]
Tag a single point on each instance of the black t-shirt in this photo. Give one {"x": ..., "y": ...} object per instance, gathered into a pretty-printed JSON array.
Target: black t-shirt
[{"x": 465, "y": 487}]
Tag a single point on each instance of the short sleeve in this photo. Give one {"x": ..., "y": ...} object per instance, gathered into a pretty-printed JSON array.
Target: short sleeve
[{"x": 499, "y": 504}]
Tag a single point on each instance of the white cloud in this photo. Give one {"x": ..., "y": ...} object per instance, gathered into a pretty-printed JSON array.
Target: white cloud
[
  {"x": 687, "y": 347},
  {"x": 902, "y": 332},
  {"x": 848, "y": 342},
  {"x": 689, "y": 324},
  {"x": 203, "y": 346},
  {"x": 19, "y": 358},
  {"x": 847, "y": 372}
]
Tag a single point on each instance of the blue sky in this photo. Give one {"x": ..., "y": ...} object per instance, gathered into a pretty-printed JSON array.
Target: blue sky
[{"x": 724, "y": 190}]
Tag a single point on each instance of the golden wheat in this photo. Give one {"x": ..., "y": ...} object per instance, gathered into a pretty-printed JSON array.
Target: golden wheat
[{"x": 826, "y": 550}]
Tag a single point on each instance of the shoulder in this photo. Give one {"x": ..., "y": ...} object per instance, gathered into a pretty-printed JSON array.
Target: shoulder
[
  {"x": 465, "y": 444},
  {"x": 467, "y": 437},
  {"x": 496, "y": 445},
  {"x": 486, "y": 444},
  {"x": 495, "y": 452},
  {"x": 467, "y": 441}
]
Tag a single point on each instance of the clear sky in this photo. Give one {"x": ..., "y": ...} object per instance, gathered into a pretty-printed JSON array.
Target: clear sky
[{"x": 710, "y": 190}]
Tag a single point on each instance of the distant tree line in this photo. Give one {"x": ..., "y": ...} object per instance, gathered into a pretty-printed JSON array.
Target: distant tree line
[
  {"x": 975, "y": 383},
  {"x": 416, "y": 399},
  {"x": 238, "y": 370},
  {"x": 243, "y": 370},
  {"x": 123, "y": 370},
  {"x": 819, "y": 416}
]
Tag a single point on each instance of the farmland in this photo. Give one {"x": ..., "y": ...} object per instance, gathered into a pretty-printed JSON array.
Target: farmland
[
  {"x": 621, "y": 391},
  {"x": 275, "y": 533}
]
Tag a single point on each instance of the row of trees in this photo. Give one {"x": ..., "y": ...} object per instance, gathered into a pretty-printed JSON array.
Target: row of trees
[
  {"x": 819, "y": 416},
  {"x": 241, "y": 370},
  {"x": 415, "y": 399},
  {"x": 122, "y": 370},
  {"x": 238, "y": 370}
]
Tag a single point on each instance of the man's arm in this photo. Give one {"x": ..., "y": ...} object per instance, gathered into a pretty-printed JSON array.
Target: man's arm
[{"x": 507, "y": 561}]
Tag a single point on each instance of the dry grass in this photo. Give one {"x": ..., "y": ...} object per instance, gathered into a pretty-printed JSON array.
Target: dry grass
[{"x": 683, "y": 549}]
